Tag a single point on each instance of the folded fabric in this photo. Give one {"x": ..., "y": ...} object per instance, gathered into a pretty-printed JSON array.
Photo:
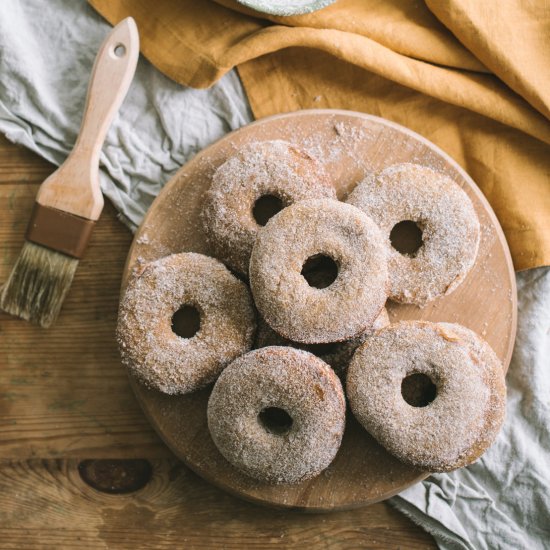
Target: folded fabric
[
  {"x": 470, "y": 76},
  {"x": 46, "y": 57}
]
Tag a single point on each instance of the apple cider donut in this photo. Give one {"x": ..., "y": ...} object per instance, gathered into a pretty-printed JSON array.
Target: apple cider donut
[
  {"x": 464, "y": 399},
  {"x": 148, "y": 344},
  {"x": 273, "y": 172},
  {"x": 278, "y": 414},
  {"x": 417, "y": 197},
  {"x": 336, "y": 354},
  {"x": 344, "y": 236}
]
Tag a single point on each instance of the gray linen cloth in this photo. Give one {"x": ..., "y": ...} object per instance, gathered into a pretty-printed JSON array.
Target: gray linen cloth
[
  {"x": 47, "y": 50},
  {"x": 46, "y": 54}
]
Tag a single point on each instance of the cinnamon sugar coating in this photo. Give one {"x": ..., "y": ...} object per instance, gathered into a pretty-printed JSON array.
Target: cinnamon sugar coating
[
  {"x": 467, "y": 412},
  {"x": 289, "y": 380},
  {"x": 274, "y": 168},
  {"x": 494, "y": 375},
  {"x": 287, "y": 302},
  {"x": 158, "y": 356},
  {"x": 445, "y": 215}
]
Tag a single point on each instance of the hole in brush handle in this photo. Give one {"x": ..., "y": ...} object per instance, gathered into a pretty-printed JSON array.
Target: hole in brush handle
[{"x": 119, "y": 50}]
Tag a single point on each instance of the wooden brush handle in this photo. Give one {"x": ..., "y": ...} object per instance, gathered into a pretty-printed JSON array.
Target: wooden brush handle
[{"x": 74, "y": 186}]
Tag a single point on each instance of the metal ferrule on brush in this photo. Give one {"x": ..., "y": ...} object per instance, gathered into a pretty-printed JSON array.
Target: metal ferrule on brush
[
  {"x": 43, "y": 273},
  {"x": 59, "y": 230}
]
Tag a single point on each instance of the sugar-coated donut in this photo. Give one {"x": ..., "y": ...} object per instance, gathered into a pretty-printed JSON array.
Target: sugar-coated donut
[
  {"x": 278, "y": 414},
  {"x": 154, "y": 352},
  {"x": 285, "y": 299},
  {"x": 336, "y": 354},
  {"x": 270, "y": 168},
  {"x": 441, "y": 210},
  {"x": 469, "y": 399}
]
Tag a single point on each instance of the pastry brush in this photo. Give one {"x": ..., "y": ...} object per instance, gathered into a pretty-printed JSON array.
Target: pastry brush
[{"x": 69, "y": 201}]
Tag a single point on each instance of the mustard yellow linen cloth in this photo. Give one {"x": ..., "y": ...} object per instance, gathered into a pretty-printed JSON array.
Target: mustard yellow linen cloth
[{"x": 471, "y": 76}]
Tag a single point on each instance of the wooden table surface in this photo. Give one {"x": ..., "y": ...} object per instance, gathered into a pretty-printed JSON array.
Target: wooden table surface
[{"x": 79, "y": 464}]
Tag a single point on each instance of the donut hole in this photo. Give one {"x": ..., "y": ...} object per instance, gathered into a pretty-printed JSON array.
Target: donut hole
[
  {"x": 320, "y": 271},
  {"x": 418, "y": 390},
  {"x": 186, "y": 322},
  {"x": 265, "y": 208},
  {"x": 275, "y": 420},
  {"x": 406, "y": 238}
]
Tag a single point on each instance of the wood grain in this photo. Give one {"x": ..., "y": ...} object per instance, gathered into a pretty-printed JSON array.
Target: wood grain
[
  {"x": 352, "y": 145},
  {"x": 55, "y": 403},
  {"x": 46, "y": 503},
  {"x": 63, "y": 394}
]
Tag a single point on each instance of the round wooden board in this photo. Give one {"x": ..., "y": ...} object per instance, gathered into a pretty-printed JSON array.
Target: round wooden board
[{"x": 351, "y": 145}]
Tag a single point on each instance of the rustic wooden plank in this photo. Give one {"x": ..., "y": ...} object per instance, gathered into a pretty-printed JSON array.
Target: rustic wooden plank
[
  {"x": 63, "y": 391},
  {"x": 18, "y": 164},
  {"x": 46, "y": 504}
]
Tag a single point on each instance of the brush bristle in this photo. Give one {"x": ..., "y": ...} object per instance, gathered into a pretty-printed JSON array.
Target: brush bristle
[{"x": 38, "y": 284}]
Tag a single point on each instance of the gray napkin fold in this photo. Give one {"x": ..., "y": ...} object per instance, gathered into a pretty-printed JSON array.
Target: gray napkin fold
[{"x": 46, "y": 55}]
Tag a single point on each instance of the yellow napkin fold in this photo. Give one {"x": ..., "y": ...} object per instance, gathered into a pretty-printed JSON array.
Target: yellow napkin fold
[{"x": 472, "y": 77}]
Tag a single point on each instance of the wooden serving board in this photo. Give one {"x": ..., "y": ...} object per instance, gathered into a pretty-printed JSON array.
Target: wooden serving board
[{"x": 351, "y": 145}]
